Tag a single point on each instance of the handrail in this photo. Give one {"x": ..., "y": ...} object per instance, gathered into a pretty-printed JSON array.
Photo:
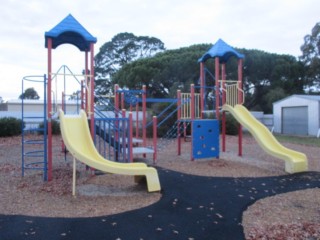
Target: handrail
[
  {"x": 186, "y": 105},
  {"x": 233, "y": 91}
]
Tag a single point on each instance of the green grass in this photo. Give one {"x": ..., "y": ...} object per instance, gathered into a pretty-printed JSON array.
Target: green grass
[{"x": 307, "y": 140}]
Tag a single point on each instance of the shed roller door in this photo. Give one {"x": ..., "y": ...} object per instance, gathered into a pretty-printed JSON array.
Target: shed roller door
[{"x": 295, "y": 120}]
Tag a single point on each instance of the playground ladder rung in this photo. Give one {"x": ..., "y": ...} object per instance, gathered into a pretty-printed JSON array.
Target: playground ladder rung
[
  {"x": 34, "y": 142},
  {"x": 33, "y": 167},
  {"x": 34, "y": 117},
  {"x": 34, "y": 154},
  {"x": 35, "y": 129}
]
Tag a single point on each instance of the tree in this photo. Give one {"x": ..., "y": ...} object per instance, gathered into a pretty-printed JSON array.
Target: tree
[
  {"x": 265, "y": 72},
  {"x": 122, "y": 49},
  {"x": 29, "y": 93},
  {"x": 176, "y": 69},
  {"x": 164, "y": 73},
  {"x": 311, "y": 58}
]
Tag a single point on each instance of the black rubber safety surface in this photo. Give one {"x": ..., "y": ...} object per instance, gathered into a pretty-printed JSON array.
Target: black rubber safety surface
[{"x": 191, "y": 208}]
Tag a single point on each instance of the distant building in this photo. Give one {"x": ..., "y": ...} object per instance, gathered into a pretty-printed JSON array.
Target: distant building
[
  {"x": 297, "y": 115},
  {"x": 71, "y": 106},
  {"x": 34, "y": 110}
]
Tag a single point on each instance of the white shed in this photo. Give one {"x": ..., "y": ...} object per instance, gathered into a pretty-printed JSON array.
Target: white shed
[
  {"x": 297, "y": 115},
  {"x": 34, "y": 110},
  {"x": 71, "y": 106}
]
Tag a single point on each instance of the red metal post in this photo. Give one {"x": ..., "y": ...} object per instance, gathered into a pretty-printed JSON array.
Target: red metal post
[
  {"x": 137, "y": 120},
  {"x": 240, "y": 94},
  {"x": 49, "y": 109},
  {"x": 86, "y": 97},
  {"x": 131, "y": 137},
  {"x": 92, "y": 89},
  {"x": 82, "y": 95},
  {"x": 202, "y": 84},
  {"x": 63, "y": 109},
  {"x": 223, "y": 76},
  {"x": 116, "y": 124},
  {"x": 86, "y": 73},
  {"x": 217, "y": 77},
  {"x": 122, "y": 100},
  {"x": 240, "y": 100},
  {"x": 179, "y": 121},
  {"x": 155, "y": 122},
  {"x": 116, "y": 96},
  {"x": 192, "y": 118},
  {"x": 144, "y": 115},
  {"x": 223, "y": 131},
  {"x": 122, "y": 139},
  {"x": 192, "y": 110}
]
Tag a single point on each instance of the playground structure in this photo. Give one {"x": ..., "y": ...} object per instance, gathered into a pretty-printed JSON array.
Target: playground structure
[
  {"x": 76, "y": 135},
  {"x": 232, "y": 102},
  {"x": 67, "y": 31},
  {"x": 190, "y": 110},
  {"x": 205, "y": 140},
  {"x": 294, "y": 161}
]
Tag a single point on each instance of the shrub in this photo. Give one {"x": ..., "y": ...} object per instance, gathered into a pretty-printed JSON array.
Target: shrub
[
  {"x": 231, "y": 122},
  {"x": 231, "y": 125},
  {"x": 10, "y": 126},
  {"x": 55, "y": 126}
]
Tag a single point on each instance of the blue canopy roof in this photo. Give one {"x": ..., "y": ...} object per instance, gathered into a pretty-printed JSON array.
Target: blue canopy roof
[
  {"x": 69, "y": 30},
  {"x": 222, "y": 50}
]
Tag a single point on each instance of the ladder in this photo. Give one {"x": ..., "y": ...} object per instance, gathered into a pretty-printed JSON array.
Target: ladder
[{"x": 34, "y": 132}]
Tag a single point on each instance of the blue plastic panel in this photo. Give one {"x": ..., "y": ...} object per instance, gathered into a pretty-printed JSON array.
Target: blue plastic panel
[{"x": 205, "y": 138}]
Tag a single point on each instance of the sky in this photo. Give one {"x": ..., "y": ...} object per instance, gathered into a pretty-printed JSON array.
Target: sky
[{"x": 275, "y": 26}]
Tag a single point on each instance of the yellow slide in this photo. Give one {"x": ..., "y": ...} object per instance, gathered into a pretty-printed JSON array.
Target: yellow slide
[
  {"x": 294, "y": 161},
  {"x": 76, "y": 136}
]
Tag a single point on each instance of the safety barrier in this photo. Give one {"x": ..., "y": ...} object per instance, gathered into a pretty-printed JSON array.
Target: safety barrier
[
  {"x": 233, "y": 92},
  {"x": 186, "y": 105}
]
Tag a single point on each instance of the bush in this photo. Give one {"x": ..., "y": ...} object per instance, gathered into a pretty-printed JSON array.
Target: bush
[
  {"x": 231, "y": 125},
  {"x": 10, "y": 126},
  {"x": 55, "y": 126}
]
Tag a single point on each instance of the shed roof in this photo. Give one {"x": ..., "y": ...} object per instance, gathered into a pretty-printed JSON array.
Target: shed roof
[
  {"x": 69, "y": 30},
  {"x": 307, "y": 97},
  {"x": 222, "y": 50}
]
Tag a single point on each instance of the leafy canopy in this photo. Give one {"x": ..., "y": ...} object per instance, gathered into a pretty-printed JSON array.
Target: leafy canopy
[
  {"x": 266, "y": 76},
  {"x": 311, "y": 58},
  {"x": 122, "y": 49},
  {"x": 29, "y": 93},
  {"x": 164, "y": 73}
]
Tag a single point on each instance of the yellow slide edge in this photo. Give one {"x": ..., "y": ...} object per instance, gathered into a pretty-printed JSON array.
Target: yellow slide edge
[
  {"x": 77, "y": 138},
  {"x": 294, "y": 161}
]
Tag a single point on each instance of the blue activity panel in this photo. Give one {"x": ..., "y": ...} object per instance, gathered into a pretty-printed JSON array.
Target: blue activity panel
[{"x": 205, "y": 138}]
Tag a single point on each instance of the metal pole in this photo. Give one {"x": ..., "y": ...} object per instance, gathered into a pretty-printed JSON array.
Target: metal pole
[
  {"x": 202, "y": 85},
  {"x": 240, "y": 100},
  {"x": 192, "y": 118},
  {"x": 130, "y": 138},
  {"x": 217, "y": 77},
  {"x": 49, "y": 107},
  {"x": 179, "y": 120},
  {"x": 223, "y": 74},
  {"x": 144, "y": 115},
  {"x": 92, "y": 89},
  {"x": 155, "y": 122}
]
